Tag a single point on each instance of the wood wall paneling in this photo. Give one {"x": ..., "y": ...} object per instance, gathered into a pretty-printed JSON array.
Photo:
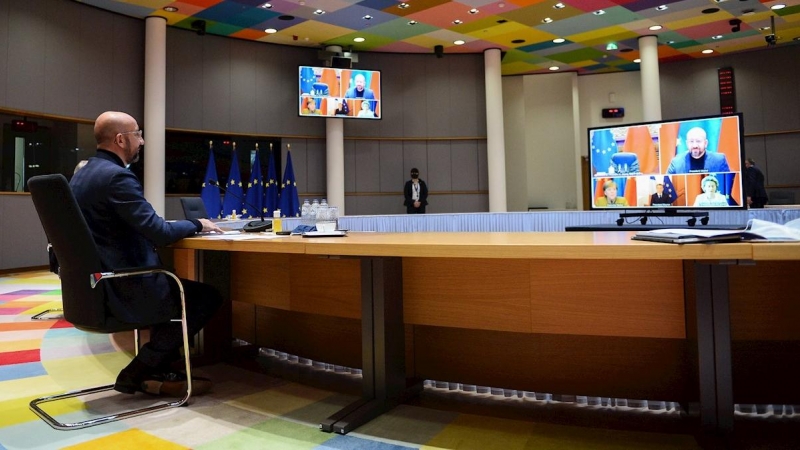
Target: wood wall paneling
[
  {"x": 325, "y": 286},
  {"x": 764, "y": 303},
  {"x": 261, "y": 279},
  {"x": 244, "y": 321}
]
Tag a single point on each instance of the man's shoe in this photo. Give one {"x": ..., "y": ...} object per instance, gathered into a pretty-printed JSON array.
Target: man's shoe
[
  {"x": 173, "y": 384},
  {"x": 127, "y": 383}
]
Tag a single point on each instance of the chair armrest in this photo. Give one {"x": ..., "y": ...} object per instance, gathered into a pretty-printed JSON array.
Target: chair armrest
[{"x": 97, "y": 277}]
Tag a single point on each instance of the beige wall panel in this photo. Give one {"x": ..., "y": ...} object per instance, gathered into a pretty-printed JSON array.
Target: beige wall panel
[
  {"x": 261, "y": 279},
  {"x": 465, "y": 293},
  {"x": 324, "y": 286},
  {"x": 608, "y": 298}
]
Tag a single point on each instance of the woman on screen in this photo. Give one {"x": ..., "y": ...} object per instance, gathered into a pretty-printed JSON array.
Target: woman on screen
[
  {"x": 710, "y": 197},
  {"x": 609, "y": 197}
]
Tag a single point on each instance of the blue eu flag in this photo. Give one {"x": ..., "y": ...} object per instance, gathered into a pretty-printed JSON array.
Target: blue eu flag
[
  {"x": 307, "y": 80},
  {"x": 727, "y": 184},
  {"x": 210, "y": 192},
  {"x": 271, "y": 191},
  {"x": 603, "y": 146},
  {"x": 669, "y": 189},
  {"x": 253, "y": 200},
  {"x": 290, "y": 202},
  {"x": 233, "y": 195}
]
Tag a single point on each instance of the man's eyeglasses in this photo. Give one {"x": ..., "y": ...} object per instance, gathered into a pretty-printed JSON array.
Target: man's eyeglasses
[{"x": 138, "y": 133}]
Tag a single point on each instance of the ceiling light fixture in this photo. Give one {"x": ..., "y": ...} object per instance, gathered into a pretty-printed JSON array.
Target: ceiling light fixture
[
  {"x": 670, "y": 42},
  {"x": 403, "y": 5},
  {"x": 707, "y": 51},
  {"x": 547, "y": 20},
  {"x": 554, "y": 68},
  {"x": 558, "y": 40},
  {"x": 367, "y": 17},
  {"x": 710, "y": 10},
  {"x": 473, "y": 11},
  {"x": 170, "y": 9},
  {"x": 457, "y": 22},
  {"x": 764, "y": 28},
  {"x": 611, "y": 46},
  {"x": 655, "y": 27},
  {"x": 359, "y": 39},
  {"x": 599, "y": 12},
  {"x": 637, "y": 60},
  {"x": 777, "y": 7},
  {"x": 559, "y": 5},
  {"x": 459, "y": 42},
  {"x": 266, "y": 6},
  {"x": 748, "y": 12},
  {"x": 319, "y": 12},
  {"x": 412, "y": 22},
  {"x": 719, "y": 36},
  {"x": 662, "y": 8},
  {"x": 270, "y": 31}
]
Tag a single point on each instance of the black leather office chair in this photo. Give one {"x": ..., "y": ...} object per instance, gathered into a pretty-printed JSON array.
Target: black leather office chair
[
  {"x": 82, "y": 288},
  {"x": 194, "y": 208}
]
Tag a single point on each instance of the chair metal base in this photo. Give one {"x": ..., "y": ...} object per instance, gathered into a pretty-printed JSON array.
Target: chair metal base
[
  {"x": 34, "y": 406},
  {"x": 41, "y": 315}
]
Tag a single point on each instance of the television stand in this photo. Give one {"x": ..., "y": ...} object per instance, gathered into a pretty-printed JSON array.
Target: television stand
[{"x": 669, "y": 213}]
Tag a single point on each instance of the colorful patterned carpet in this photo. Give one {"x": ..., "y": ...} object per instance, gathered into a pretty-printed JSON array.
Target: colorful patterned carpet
[{"x": 245, "y": 410}]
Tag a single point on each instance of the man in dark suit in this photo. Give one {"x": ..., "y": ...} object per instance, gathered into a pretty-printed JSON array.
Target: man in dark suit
[
  {"x": 659, "y": 198},
  {"x": 754, "y": 185},
  {"x": 415, "y": 193},
  {"x": 127, "y": 231}
]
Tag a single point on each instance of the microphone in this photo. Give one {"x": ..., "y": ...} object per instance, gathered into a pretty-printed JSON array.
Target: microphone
[{"x": 255, "y": 226}]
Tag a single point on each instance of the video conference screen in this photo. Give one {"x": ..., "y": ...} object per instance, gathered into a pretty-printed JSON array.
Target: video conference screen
[
  {"x": 694, "y": 163},
  {"x": 344, "y": 93}
]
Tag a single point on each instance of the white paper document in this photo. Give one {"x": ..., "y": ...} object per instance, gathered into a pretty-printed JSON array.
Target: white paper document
[{"x": 756, "y": 230}]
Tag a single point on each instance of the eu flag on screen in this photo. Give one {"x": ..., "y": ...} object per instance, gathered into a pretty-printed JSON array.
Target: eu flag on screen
[
  {"x": 603, "y": 146},
  {"x": 254, "y": 198},
  {"x": 307, "y": 80},
  {"x": 233, "y": 190},
  {"x": 669, "y": 189},
  {"x": 289, "y": 202},
  {"x": 727, "y": 185},
  {"x": 271, "y": 191},
  {"x": 210, "y": 192}
]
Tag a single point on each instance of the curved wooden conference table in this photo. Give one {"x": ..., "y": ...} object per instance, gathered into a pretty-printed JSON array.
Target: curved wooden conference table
[{"x": 583, "y": 313}]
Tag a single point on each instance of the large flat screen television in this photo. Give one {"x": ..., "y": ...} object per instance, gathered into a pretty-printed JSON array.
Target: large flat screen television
[
  {"x": 344, "y": 93},
  {"x": 687, "y": 164}
]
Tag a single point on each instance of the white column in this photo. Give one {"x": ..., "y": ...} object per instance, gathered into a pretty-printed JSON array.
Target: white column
[
  {"x": 334, "y": 151},
  {"x": 495, "y": 139},
  {"x": 651, "y": 87},
  {"x": 155, "y": 94}
]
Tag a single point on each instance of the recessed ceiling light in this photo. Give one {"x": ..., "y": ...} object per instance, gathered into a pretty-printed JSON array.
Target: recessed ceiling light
[
  {"x": 611, "y": 46},
  {"x": 559, "y": 5},
  {"x": 599, "y": 12},
  {"x": 723, "y": 1},
  {"x": 359, "y": 39},
  {"x": 710, "y": 10},
  {"x": 286, "y": 17},
  {"x": 319, "y": 12},
  {"x": 502, "y": 21},
  {"x": 796, "y": 39},
  {"x": 777, "y": 7},
  {"x": 764, "y": 28},
  {"x": 626, "y": 50},
  {"x": 412, "y": 22},
  {"x": 719, "y": 36},
  {"x": 473, "y": 11},
  {"x": 459, "y": 42},
  {"x": 662, "y": 8},
  {"x": 748, "y": 12},
  {"x": 367, "y": 17},
  {"x": 655, "y": 27},
  {"x": 270, "y": 31},
  {"x": 266, "y": 6},
  {"x": 707, "y": 51},
  {"x": 558, "y": 40},
  {"x": 554, "y": 68},
  {"x": 170, "y": 9},
  {"x": 547, "y": 20},
  {"x": 637, "y": 60},
  {"x": 670, "y": 42},
  {"x": 518, "y": 41},
  {"x": 403, "y": 5},
  {"x": 457, "y": 22}
]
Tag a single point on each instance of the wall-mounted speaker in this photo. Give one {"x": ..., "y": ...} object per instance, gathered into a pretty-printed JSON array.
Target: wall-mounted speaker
[{"x": 341, "y": 62}]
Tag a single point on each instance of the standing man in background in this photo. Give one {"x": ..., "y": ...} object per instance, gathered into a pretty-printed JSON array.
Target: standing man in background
[
  {"x": 416, "y": 194},
  {"x": 754, "y": 185}
]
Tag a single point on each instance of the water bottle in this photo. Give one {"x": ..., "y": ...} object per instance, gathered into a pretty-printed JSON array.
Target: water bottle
[
  {"x": 324, "y": 202},
  {"x": 304, "y": 211},
  {"x": 312, "y": 212}
]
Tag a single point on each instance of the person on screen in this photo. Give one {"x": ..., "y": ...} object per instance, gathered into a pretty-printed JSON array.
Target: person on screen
[
  {"x": 341, "y": 108},
  {"x": 710, "y": 197},
  {"x": 609, "y": 197},
  {"x": 696, "y": 158},
  {"x": 416, "y": 194},
  {"x": 660, "y": 198},
  {"x": 126, "y": 231},
  {"x": 360, "y": 90},
  {"x": 311, "y": 108},
  {"x": 366, "y": 110},
  {"x": 754, "y": 185}
]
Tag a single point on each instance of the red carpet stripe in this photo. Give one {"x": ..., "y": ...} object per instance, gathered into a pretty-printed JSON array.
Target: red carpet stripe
[{"x": 22, "y": 356}]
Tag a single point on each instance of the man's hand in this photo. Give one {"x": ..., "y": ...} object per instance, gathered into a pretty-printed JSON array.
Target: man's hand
[
  {"x": 749, "y": 200},
  {"x": 417, "y": 204},
  {"x": 209, "y": 226}
]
